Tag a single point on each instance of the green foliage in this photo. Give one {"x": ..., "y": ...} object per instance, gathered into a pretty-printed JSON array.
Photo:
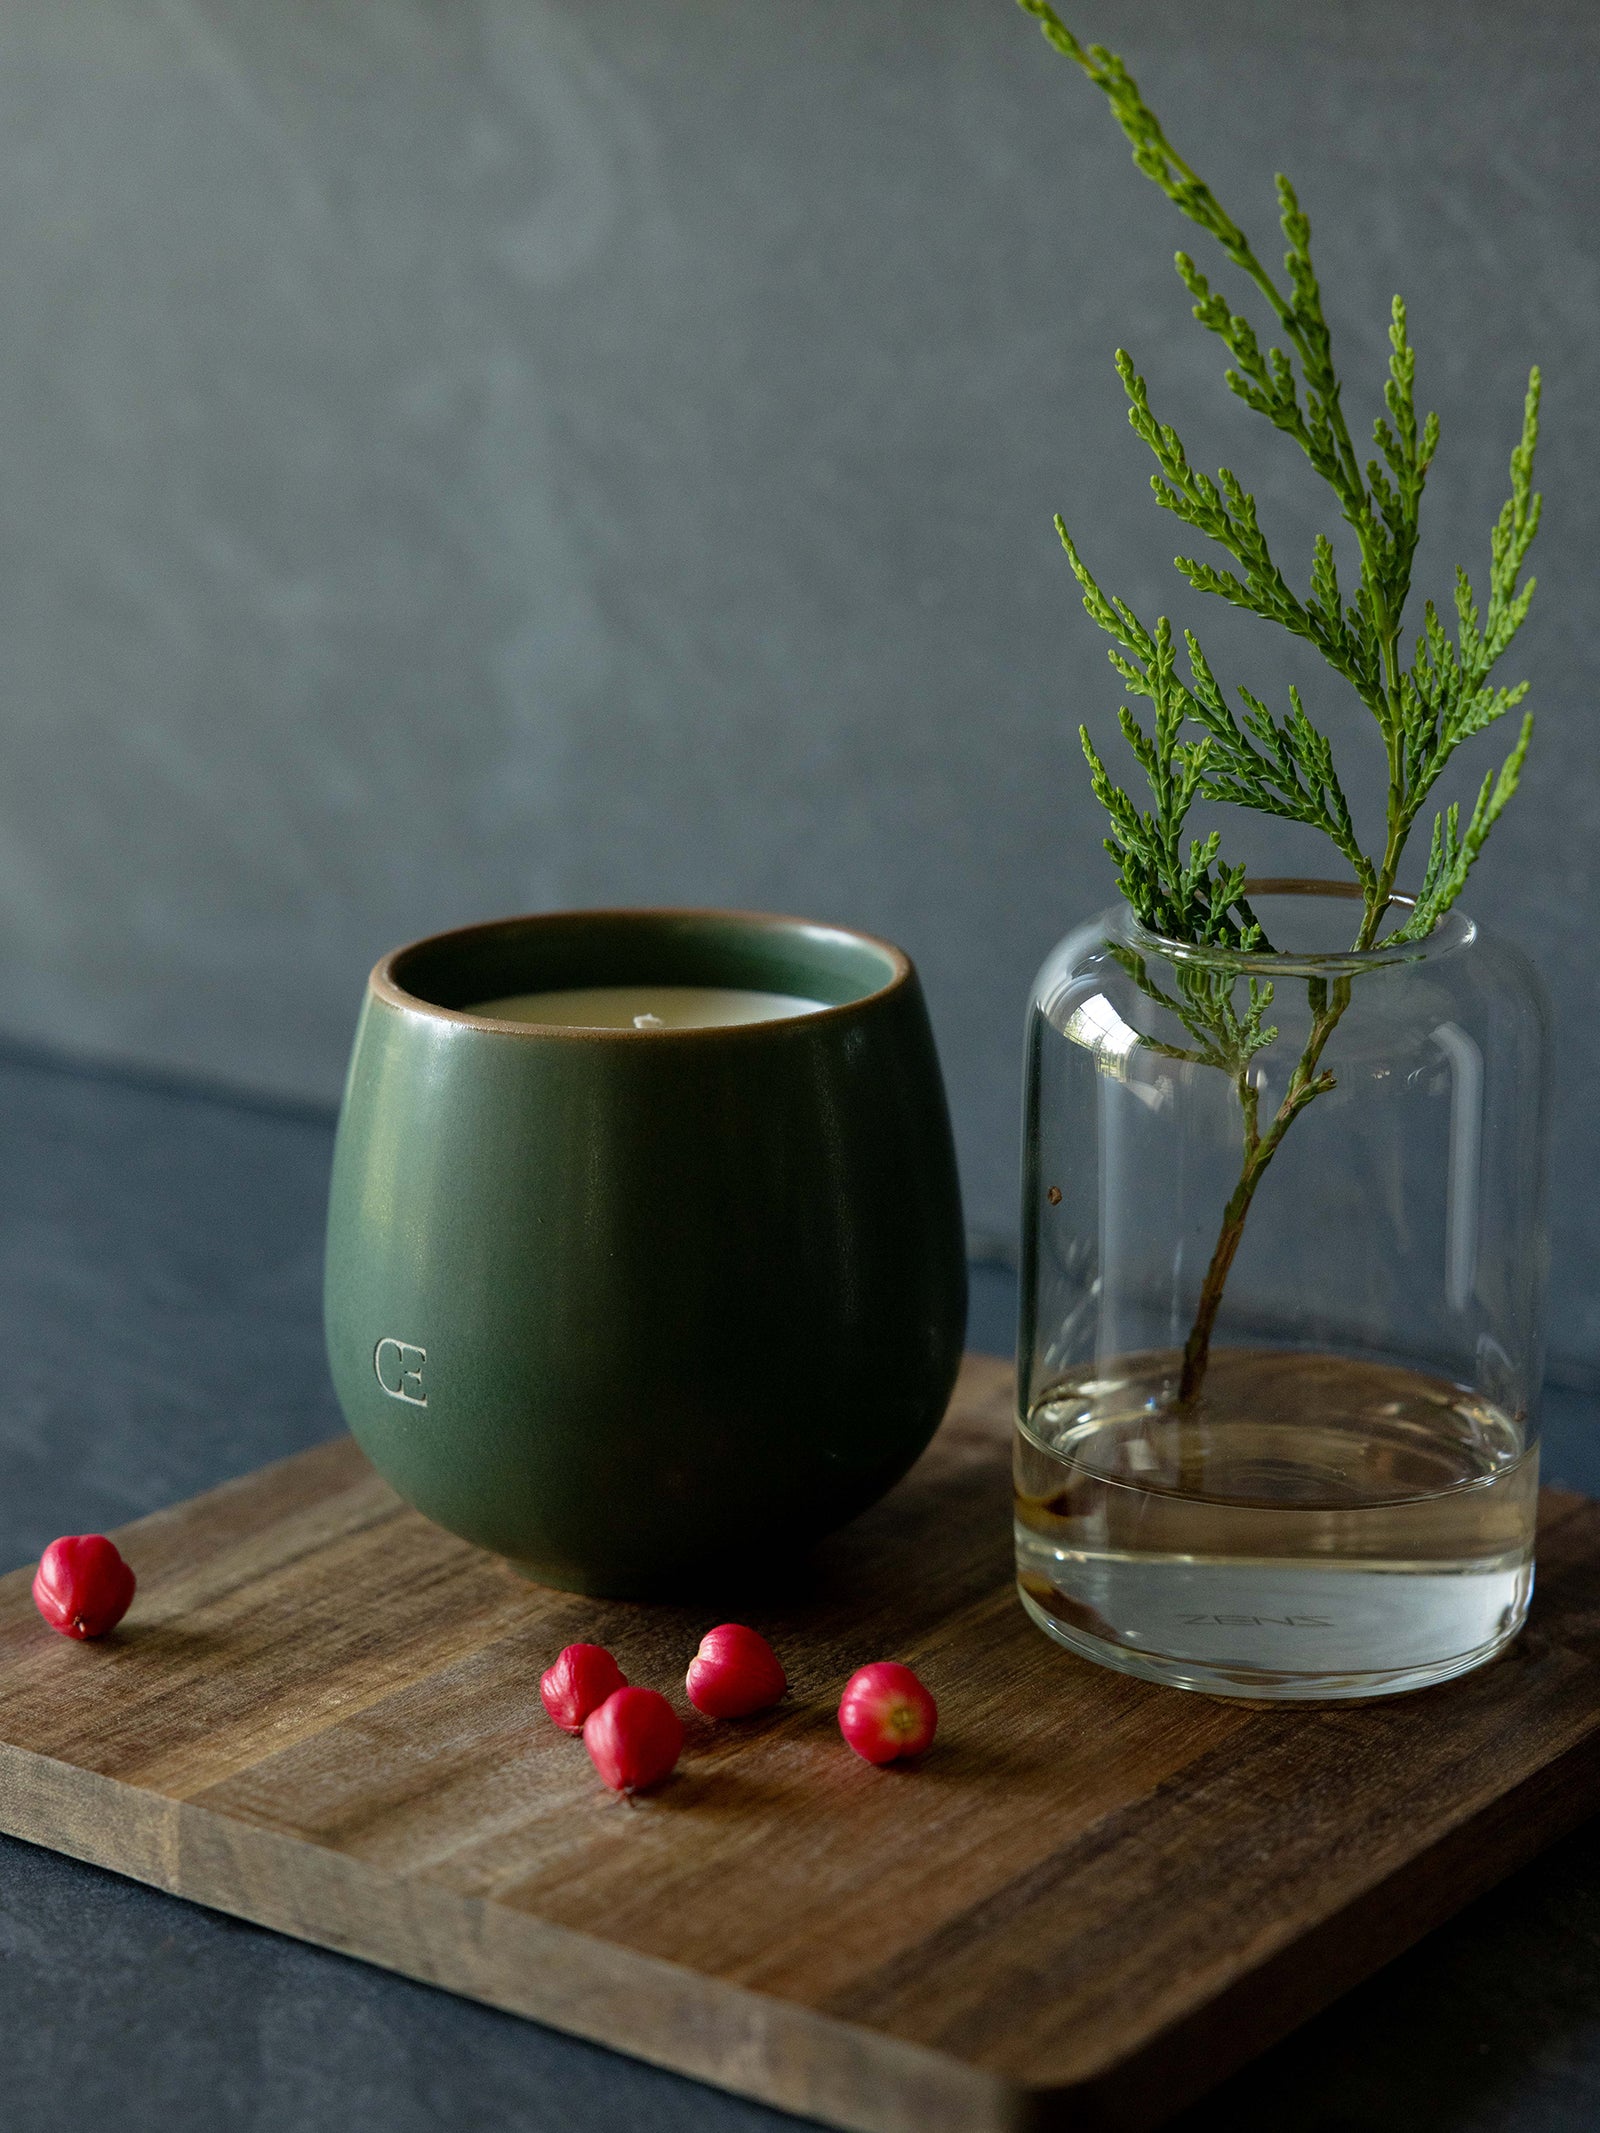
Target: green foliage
[
  {"x": 1284, "y": 765},
  {"x": 1184, "y": 896},
  {"x": 1204, "y": 1003}
]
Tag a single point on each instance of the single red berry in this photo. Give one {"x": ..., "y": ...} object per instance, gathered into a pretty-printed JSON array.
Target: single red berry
[
  {"x": 885, "y": 1712},
  {"x": 583, "y": 1676},
  {"x": 82, "y": 1586},
  {"x": 634, "y": 1739},
  {"x": 734, "y": 1673}
]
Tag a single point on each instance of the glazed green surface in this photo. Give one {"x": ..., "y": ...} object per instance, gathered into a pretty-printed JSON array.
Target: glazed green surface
[{"x": 686, "y": 1300}]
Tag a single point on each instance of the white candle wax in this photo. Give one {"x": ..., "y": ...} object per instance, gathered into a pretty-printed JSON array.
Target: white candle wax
[{"x": 645, "y": 1007}]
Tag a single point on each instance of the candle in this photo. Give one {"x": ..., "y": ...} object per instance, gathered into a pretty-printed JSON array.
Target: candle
[{"x": 645, "y": 1007}]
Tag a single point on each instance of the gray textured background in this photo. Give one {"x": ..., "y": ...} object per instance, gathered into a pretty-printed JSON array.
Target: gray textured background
[{"x": 467, "y": 455}]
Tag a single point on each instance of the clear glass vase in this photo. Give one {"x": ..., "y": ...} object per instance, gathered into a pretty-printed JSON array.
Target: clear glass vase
[{"x": 1282, "y": 1287}]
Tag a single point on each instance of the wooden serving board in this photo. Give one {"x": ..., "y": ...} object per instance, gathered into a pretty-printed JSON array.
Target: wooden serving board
[{"x": 1092, "y": 1899}]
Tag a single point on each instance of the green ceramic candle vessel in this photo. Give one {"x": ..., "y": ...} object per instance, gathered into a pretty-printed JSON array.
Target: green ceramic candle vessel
[{"x": 636, "y": 1308}]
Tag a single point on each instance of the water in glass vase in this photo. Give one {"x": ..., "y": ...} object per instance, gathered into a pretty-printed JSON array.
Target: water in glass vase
[{"x": 1312, "y": 1526}]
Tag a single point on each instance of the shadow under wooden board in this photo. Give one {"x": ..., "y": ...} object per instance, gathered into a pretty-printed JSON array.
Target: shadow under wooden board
[{"x": 1092, "y": 1899}]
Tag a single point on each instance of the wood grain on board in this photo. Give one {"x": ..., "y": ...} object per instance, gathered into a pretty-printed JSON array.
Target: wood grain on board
[{"x": 1093, "y": 1898}]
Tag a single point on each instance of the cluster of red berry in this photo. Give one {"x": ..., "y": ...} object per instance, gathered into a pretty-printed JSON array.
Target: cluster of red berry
[{"x": 634, "y": 1736}]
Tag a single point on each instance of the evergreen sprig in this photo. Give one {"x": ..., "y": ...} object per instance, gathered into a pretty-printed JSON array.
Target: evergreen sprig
[
  {"x": 1185, "y": 896},
  {"x": 1284, "y": 766},
  {"x": 1223, "y": 1037},
  {"x": 1203, "y": 746}
]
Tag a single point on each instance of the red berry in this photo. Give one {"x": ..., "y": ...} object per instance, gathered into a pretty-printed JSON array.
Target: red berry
[
  {"x": 582, "y": 1678},
  {"x": 885, "y": 1712},
  {"x": 634, "y": 1739},
  {"x": 734, "y": 1673},
  {"x": 82, "y": 1586}
]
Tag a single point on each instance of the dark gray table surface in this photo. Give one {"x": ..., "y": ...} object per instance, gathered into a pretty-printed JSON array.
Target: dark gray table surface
[{"x": 160, "y": 1258}]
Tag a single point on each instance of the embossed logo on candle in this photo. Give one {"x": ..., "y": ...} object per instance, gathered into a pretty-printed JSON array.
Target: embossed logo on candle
[{"x": 398, "y": 1367}]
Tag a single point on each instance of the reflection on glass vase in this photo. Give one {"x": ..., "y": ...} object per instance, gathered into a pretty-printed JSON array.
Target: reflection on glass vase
[{"x": 1282, "y": 1293}]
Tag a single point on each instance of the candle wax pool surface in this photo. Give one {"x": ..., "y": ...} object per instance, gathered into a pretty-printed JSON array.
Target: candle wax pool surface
[{"x": 645, "y": 1007}]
